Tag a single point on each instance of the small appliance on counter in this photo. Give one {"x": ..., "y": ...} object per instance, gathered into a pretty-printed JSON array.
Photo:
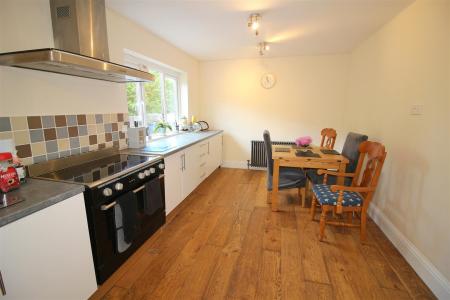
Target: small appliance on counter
[
  {"x": 137, "y": 137},
  {"x": 200, "y": 126}
]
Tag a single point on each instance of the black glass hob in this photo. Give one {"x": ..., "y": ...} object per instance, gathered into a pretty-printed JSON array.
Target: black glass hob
[{"x": 91, "y": 172}]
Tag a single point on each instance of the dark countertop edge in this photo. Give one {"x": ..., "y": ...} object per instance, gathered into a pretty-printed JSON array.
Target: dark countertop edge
[
  {"x": 77, "y": 189},
  {"x": 175, "y": 150}
]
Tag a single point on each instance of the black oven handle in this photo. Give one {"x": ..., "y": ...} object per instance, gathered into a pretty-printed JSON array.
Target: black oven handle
[{"x": 108, "y": 206}]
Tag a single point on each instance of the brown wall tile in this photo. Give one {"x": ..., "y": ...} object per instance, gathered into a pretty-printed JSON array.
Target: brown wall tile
[
  {"x": 60, "y": 121},
  {"x": 108, "y": 137},
  {"x": 73, "y": 131},
  {"x": 34, "y": 122},
  {"x": 50, "y": 134},
  {"x": 81, "y": 119},
  {"x": 115, "y": 127},
  {"x": 120, "y": 117},
  {"x": 101, "y": 146},
  {"x": 23, "y": 151},
  {"x": 92, "y": 139}
]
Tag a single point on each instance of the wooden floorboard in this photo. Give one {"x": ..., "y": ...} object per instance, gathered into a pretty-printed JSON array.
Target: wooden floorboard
[{"x": 224, "y": 242}]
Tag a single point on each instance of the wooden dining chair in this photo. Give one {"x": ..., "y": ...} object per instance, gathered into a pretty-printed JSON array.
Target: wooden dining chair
[
  {"x": 350, "y": 199},
  {"x": 328, "y": 138}
]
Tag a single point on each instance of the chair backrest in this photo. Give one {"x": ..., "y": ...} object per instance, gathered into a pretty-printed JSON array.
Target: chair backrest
[
  {"x": 351, "y": 150},
  {"x": 372, "y": 156},
  {"x": 268, "y": 145},
  {"x": 328, "y": 138}
]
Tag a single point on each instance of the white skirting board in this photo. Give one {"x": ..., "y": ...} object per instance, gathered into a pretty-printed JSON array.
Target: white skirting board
[
  {"x": 422, "y": 265},
  {"x": 234, "y": 164}
]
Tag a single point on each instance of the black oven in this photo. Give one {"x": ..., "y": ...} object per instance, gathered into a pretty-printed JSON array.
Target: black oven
[{"x": 123, "y": 214}]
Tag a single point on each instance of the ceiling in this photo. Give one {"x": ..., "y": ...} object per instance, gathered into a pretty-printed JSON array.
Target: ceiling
[{"x": 217, "y": 29}]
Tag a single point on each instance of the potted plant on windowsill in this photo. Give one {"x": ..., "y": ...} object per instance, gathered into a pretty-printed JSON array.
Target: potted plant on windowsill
[{"x": 162, "y": 127}]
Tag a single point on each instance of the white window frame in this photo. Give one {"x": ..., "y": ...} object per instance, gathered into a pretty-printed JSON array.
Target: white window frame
[{"x": 141, "y": 62}]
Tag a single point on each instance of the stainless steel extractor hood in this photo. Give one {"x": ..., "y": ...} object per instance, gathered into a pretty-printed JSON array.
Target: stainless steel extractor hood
[{"x": 81, "y": 46}]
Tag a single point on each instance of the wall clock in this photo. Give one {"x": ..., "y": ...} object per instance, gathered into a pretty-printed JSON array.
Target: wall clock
[{"x": 268, "y": 80}]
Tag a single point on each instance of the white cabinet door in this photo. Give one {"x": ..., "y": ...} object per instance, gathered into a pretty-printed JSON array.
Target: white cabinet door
[
  {"x": 191, "y": 171},
  {"x": 47, "y": 255},
  {"x": 173, "y": 180},
  {"x": 215, "y": 153}
]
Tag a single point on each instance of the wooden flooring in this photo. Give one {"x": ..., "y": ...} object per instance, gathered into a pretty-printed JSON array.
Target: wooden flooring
[{"x": 224, "y": 242}]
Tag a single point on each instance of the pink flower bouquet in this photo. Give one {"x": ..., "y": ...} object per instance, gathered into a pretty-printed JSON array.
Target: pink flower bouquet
[{"x": 303, "y": 141}]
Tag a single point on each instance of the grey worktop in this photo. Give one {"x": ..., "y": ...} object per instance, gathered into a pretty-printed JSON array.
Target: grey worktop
[
  {"x": 38, "y": 194},
  {"x": 169, "y": 145}
]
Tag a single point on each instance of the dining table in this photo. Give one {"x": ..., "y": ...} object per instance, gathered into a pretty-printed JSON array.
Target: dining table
[{"x": 309, "y": 157}]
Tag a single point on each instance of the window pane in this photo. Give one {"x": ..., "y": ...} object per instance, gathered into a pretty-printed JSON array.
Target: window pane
[
  {"x": 152, "y": 98},
  {"x": 171, "y": 90},
  {"x": 132, "y": 99}
]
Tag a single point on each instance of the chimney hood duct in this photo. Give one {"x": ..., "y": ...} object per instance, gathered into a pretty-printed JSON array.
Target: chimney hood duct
[{"x": 81, "y": 45}]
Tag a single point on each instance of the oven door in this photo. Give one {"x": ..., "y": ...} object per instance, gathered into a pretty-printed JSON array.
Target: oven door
[
  {"x": 109, "y": 252},
  {"x": 150, "y": 206}
]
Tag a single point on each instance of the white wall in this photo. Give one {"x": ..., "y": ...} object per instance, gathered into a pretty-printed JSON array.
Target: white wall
[
  {"x": 308, "y": 96},
  {"x": 406, "y": 63},
  {"x": 27, "y": 25}
]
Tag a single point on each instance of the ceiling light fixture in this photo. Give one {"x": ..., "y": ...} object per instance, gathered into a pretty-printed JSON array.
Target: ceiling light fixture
[
  {"x": 263, "y": 47},
  {"x": 253, "y": 22}
]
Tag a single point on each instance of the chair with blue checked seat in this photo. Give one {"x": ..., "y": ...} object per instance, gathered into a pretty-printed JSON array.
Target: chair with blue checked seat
[
  {"x": 289, "y": 178},
  {"x": 350, "y": 199}
]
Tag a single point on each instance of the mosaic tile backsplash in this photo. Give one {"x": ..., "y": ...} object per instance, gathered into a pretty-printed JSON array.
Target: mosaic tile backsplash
[{"x": 41, "y": 138}]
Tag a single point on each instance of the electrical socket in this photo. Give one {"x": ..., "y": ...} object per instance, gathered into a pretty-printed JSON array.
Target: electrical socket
[{"x": 416, "y": 110}]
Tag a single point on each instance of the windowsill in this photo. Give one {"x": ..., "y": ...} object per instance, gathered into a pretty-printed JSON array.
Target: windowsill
[{"x": 159, "y": 136}]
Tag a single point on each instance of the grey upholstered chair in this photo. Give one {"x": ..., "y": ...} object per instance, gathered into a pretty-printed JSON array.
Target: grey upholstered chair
[
  {"x": 290, "y": 178},
  {"x": 351, "y": 151}
]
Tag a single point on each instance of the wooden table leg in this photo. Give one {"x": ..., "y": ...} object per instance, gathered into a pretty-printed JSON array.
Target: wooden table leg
[
  {"x": 342, "y": 167},
  {"x": 275, "y": 181}
]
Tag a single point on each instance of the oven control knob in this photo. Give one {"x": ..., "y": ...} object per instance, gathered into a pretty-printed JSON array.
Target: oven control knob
[
  {"x": 161, "y": 166},
  {"x": 141, "y": 175},
  {"x": 147, "y": 173},
  {"x": 107, "y": 192},
  {"x": 152, "y": 170},
  {"x": 118, "y": 186}
]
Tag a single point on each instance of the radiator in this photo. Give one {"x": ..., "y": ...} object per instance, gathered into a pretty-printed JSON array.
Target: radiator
[{"x": 258, "y": 154}]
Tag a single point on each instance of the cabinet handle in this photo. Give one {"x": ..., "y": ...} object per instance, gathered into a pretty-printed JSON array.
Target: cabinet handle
[{"x": 2, "y": 285}]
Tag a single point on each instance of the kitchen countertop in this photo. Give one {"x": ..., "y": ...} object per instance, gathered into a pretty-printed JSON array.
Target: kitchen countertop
[
  {"x": 169, "y": 145},
  {"x": 38, "y": 194}
]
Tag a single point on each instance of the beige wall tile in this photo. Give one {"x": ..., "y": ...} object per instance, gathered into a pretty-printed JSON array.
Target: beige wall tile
[
  {"x": 109, "y": 144},
  {"x": 84, "y": 141},
  {"x": 63, "y": 144},
  {"x": 27, "y": 161},
  {"x": 100, "y": 128},
  {"x": 21, "y": 137},
  {"x": 93, "y": 147},
  {"x": 6, "y": 135},
  {"x": 90, "y": 119},
  {"x": 122, "y": 144},
  {"x": 100, "y": 138},
  {"x": 107, "y": 118},
  {"x": 113, "y": 118},
  {"x": 38, "y": 148},
  {"x": 92, "y": 129},
  {"x": 19, "y": 123}
]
